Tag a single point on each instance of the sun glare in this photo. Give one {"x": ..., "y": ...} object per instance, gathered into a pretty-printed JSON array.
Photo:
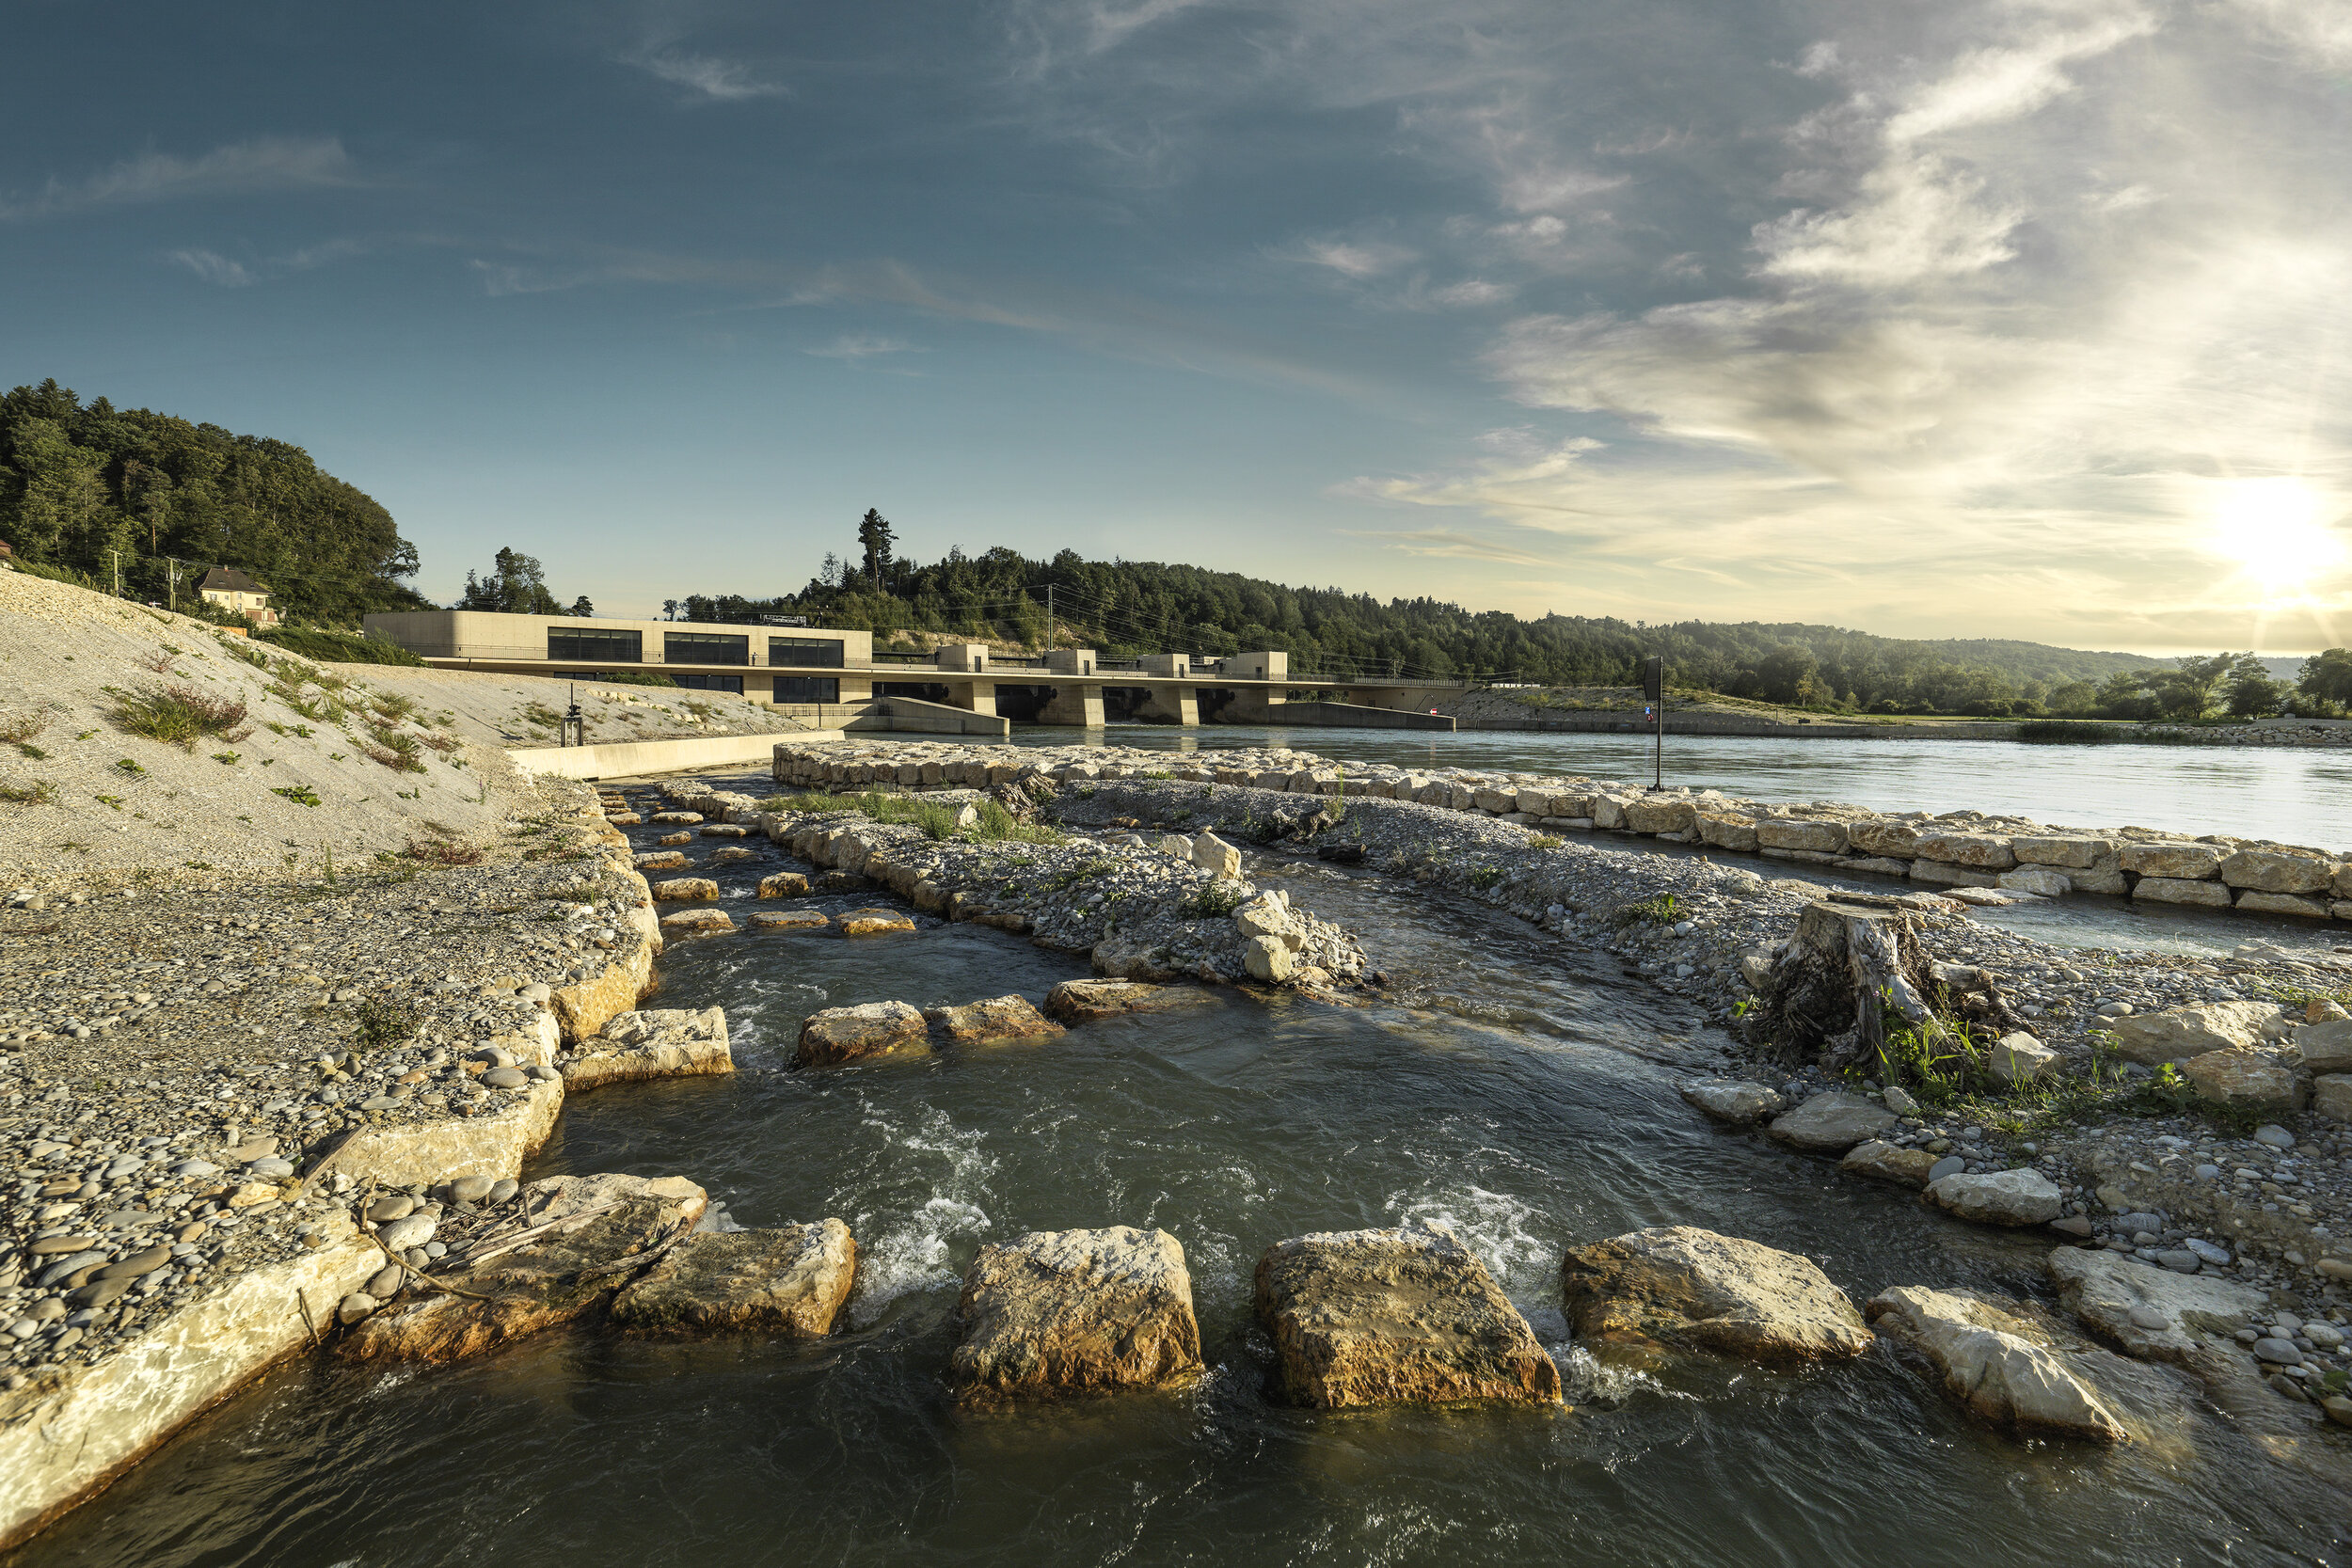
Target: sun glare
[{"x": 2277, "y": 530}]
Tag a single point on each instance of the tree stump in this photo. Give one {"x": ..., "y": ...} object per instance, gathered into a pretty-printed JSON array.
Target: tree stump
[{"x": 1829, "y": 991}]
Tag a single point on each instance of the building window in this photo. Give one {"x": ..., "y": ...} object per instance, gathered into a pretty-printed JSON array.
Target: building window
[
  {"x": 712, "y": 683},
  {"x": 706, "y": 647},
  {"x": 596, "y": 645},
  {"x": 807, "y": 688},
  {"x": 823, "y": 652}
]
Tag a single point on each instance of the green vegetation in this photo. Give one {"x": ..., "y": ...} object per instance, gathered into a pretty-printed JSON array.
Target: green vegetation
[
  {"x": 1485, "y": 877},
  {"x": 382, "y": 1022},
  {"x": 335, "y": 647},
  {"x": 1658, "y": 910},
  {"x": 179, "y": 715},
  {"x": 77, "y": 481},
  {"x": 1215, "y": 900},
  {"x": 517, "y": 586},
  {"x": 301, "y": 795},
  {"x": 1545, "y": 841},
  {"x": 20, "y": 726},
  {"x": 39, "y": 792}
]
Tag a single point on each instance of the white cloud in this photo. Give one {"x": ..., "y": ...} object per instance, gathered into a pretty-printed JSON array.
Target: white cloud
[
  {"x": 854, "y": 347},
  {"x": 265, "y": 164},
  {"x": 213, "y": 267},
  {"x": 229, "y": 273},
  {"x": 1358, "y": 259},
  {"x": 707, "y": 76}
]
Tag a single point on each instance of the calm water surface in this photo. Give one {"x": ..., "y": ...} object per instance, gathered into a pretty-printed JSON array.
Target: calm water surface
[
  {"x": 1522, "y": 1095},
  {"x": 2294, "y": 796}
]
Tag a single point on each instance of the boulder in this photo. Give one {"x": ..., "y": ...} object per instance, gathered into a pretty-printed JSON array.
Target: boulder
[
  {"x": 1880, "y": 836},
  {"x": 1976, "y": 851},
  {"x": 2036, "y": 880},
  {"x": 1998, "y": 1197},
  {"x": 792, "y": 1280},
  {"x": 1886, "y": 1161},
  {"x": 838, "y": 1034},
  {"x": 658, "y": 1042},
  {"x": 588, "y": 1236},
  {"x": 661, "y": 860},
  {"x": 788, "y": 920},
  {"x": 1214, "y": 856},
  {"x": 1387, "y": 1317},
  {"x": 2182, "y": 1031},
  {"x": 874, "y": 923},
  {"x": 1728, "y": 830},
  {"x": 2175, "y": 860},
  {"x": 2063, "y": 850},
  {"x": 782, "y": 885},
  {"x": 2147, "y": 1312},
  {"x": 1073, "y": 1311},
  {"x": 1660, "y": 815},
  {"x": 1833, "y": 1123},
  {"x": 2332, "y": 1095},
  {"x": 2277, "y": 871},
  {"x": 1681, "y": 1288},
  {"x": 2019, "y": 1058},
  {"x": 697, "y": 923},
  {"x": 2282, "y": 903},
  {"x": 1270, "y": 959},
  {"x": 682, "y": 890},
  {"x": 998, "y": 1017},
  {"x": 1734, "y": 1099},
  {"x": 1092, "y": 1000},
  {"x": 2176, "y": 890},
  {"x": 1796, "y": 833},
  {"x": 2250, "y": 1077},
  {"x": 1990, "y": 1360}
]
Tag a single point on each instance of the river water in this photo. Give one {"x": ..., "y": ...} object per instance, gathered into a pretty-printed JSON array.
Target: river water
[
  {"x": 1508, "y": 1087},
  {"x": 2292, "y": 795}
]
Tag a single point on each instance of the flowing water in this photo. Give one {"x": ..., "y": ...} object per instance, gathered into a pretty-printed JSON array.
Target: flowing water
[
  {"x": 1518, "y": 1092},
  {"x": 2291, "y": 795}
]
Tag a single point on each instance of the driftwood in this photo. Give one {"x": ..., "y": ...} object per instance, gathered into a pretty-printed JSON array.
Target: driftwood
[{"x": 1829, "y": 993}]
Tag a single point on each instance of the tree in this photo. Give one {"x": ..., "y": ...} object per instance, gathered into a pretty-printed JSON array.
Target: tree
[
  {"x": 669, "y": 610},
  {"x": 2250, "y": 692},
  {"x": 517, "y": 586},
  {"x": 581, "y": 608},
  {"x": 2326, "y": 678},
  {"x": 830, "y": 573},
  {"x": 875, "y": 538}
]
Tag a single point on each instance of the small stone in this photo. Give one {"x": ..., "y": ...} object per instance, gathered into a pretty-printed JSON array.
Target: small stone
[
  {"x": 1734, "y": 1099},
  {"x": 386, "y": 1209},
  {"x": 414, "y": 1231},
  {"x": 2281, "y": 1352},
  {"x": 384, "y": 1284},
  {"x": 354, "y": 1307},
  {"x": 473, "y": 1189},
  {"x": 505, "y": 1078}
]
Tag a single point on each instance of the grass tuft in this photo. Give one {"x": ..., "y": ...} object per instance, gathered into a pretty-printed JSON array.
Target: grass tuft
[{"x": 179, "y": 715}]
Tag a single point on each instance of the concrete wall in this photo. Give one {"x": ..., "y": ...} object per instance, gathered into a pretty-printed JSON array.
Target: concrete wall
[
  {"x": 913, "y": 715},
  {"x": 1335, "y": 715},
  {"x": 624, "y": 759},
  {"x": 1589, "y": 723},
  {"x": 490, "y": 634}
]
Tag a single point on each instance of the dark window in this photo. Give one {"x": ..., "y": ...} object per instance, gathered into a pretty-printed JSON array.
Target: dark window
[
  {"x": 605, "y": 647},
  {"x": 712, "y": 683},
  {"x": 824, "y": 652},
  {"x": 807, "y": 688},
  {"x": 706, "y": 647}
]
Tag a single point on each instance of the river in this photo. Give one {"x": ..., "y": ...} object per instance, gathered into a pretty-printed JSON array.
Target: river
[
  {"x": 1519, "y": 1090},
  {"x": 2292, "y": 795}
]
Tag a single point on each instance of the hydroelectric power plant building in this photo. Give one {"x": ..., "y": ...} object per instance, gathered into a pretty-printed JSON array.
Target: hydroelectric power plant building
[{"x": 828, "y": 677}]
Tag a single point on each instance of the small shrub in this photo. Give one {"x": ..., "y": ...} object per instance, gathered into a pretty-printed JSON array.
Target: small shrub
[
  {"x": 301, "y": 795},
  {"x": 337, "y": 647},
  {"x": 1545, "y": 841},
  {"x": 178, "y": 715},
  {"x": 39, "y": 792},
  {"x": 1485, "y": 877},
  {"x": 226, "y": 759},
  {"x": 443, "y": 743},
  {"x": 396, "y": 749},
  {"x": 1658, "y": 911},
  {"x": 391, "y": 708},
  {"x": 28, "y": 749},
  {"x": 131, "y": 767},
  {"x": 161, "y": 663},
  {"x": 1215, "y": 900},
  {"x": 1061, "y": 881}
]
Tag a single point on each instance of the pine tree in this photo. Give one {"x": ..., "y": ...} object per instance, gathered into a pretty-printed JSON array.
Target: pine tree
[{"x": 874, "y": 536}]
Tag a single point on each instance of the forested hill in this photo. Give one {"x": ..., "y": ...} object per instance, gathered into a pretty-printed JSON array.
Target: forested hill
[
  {"x": 81, "y": 485},
  {"x": 1124, "y": 606}
]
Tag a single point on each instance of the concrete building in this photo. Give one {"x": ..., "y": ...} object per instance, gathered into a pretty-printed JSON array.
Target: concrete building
[{"x": 828, "y": 677}]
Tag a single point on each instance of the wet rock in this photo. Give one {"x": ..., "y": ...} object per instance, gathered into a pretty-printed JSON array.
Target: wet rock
[
  {"x": 1990, "y": 1361},
  {"x": 1734, "y": 1099},
  {"x": 838, "y": 1034},
  {"x": 2183, "y": 1031},
  {"x": 998, "y": 1017},
  {"x": 657, "y": 1042},
  {"x": 1092, "y": 1000},
  {"x": 602, "y": 1231},
  {"x": 696, "y": 923},
  {"x": 2149, "y": 1313},
  {"x": 1833, "y": 1123},
  {"x": 1886, "y": 1161},
  {"x": 874, "y": 923},
  {"x": 1073, "y": 1311},
  {"x": 784, "y": 884},
  {"x": 789, "y": 920},
  {"x": 684, "y": 890},
  {"x": 1680, "y": 1288},
  {"x": 1998, "y": 1197},
  {"x": 661, "y": 860},
  {"x": 792, "y": 1280},
  {"x": 1384, "y": 1317}
]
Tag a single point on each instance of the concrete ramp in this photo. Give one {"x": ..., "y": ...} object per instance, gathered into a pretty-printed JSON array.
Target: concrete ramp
[
  {"x": 911, "y": 715},
  {"x": 1350, "y": 715}
]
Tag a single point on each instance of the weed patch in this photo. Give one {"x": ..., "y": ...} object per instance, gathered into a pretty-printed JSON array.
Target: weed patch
[
  {"x": 179, "y": 715},
  {"x": 1658, "y": 911},
  {"x": 1214, "y": 901},
  {"x": 39, "y": 792},
  {"x": 301, "y": 795}
]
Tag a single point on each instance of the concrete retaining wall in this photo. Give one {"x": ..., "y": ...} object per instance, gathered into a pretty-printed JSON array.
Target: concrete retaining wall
[
  {"x": 1697, "y": 723},
  {"x": 1352, "y": 716},
  {"x": 631, "y": 758},
  {"x": 913, "y": 715}
]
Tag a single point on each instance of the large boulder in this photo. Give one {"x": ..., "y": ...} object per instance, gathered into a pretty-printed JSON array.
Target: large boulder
[
  {"x": 838, "y": 1035},
  {"x": 2018, "y": 1058},
  {"x": 874, "y": 923},
  {"x": 2181, "y": 890},
  {"x": 1386, "y": 1317},
  {"x": 2068, "y": 851},
  {"x": 1071, "y": 1311},
  {"x": 1976, "y": 851},
  {"x": 792, "y": 1281},
  {"x": 2180, "y": 1033},
  {"x": 2277, "y": 871},
  {"x": 1734, "y": 1099},
  {"x": 1677, "y": 1287},
  {"x": 2174, "y": 860},
  {"x": 684, "y": 890},
  {"x": 2253, "y": 1078},
  {"x": 1833, "y": 1123},
  {"x": 654, "y": 1042},
  {"x": 1990, "y": 1360},
  {"x": 1998, "y": 1197},
  {"x": 998, "y": 1017},
  {"x": 1092, "y": 1000},
  {"x": 582, "y": 1239},
  {"x": 1796, "y": 833},
  {"x": 2147, "y": 1312},
  {"x": 2325, "y": 1046}
]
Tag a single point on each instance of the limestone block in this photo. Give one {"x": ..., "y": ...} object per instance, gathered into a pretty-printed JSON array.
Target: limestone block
[
  {"x": 2174, "y": 890},
  {"x": 697, "y": 923},
  {"x": 583, "y": 1006},
  {"x": 1880, "y": 836},
  {"x": 1879, "y": 865},
  {"x": 1092, "y": 1000},
  {"x": 2147, "y": 1312},
  {"x": 1494, "y": 803},
  {"x": 2019, "y": 1058},
  {"x": 1535, "y": 802},
  {"x": 874, "y": 923},
  {"x": 1833, "y": 1122},
  {"x": 791, "y": 920},
  {"x": 1269, "y": 958},
  {"x": 1978, "y": 851},
  {"x": 1884, "y": 1161},
  {"x": 2331, "y": 1096},
  {"x": 1609, "y": 809},
  {"x": 1999, "y": 1197},
  {"x": 2175, "y": 860},
  {"x": 1214, "y": 856},
  {"x": 2100, "y": 879},
  {"x": 2325, "y": 1046},
  {"x": 659, "y": 860},
  {"x": 2037, "y": 878},
  {"x": 1734, "y": 1099},
  {"x": 1728, "y": 830},
  {"x": 1943, "y": 874},
  {"x": 1385, "y": 1317},
  {"x": 1989, "y": 1360},
  {"x": 1579, "y": 802},
  {"x": 838, "y": 1034},
  {"x": 1796, "y": 832},
  {"x": 998, "y": 1017},
  {"x": 2282, "y": 903},
  {"x": 661, "y": 1042},
  {"x": 784, "y": 884},
  {"x": 1069, "y": 1311},
  {"x": 1680, "y": 1288},
  {"x": 792, "y": 1280},
  {"x": 684, "y": 890},
  {"x": 2060, "y": 849},
  {"x": 2253, "y": 1077},
  {"x": 2277, "y": 871},
  {"x": 1660, "y": 815},
  {"x": 2183, "y": 1031}
]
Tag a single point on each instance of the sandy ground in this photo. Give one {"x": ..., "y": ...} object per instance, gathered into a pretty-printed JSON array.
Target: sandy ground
[{"x": 523, "y": 710}]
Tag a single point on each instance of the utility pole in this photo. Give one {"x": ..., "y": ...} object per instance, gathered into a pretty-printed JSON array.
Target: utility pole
[
  {"x": 171, "y": 579},
  {"x": 1654, "y": 688},
  {"x": 1049, "y": 622},
  {"x": 118, "y": 555}
]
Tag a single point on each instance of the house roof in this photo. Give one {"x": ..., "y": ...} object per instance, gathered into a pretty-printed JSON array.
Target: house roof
[{"x": 229, "y": 579}]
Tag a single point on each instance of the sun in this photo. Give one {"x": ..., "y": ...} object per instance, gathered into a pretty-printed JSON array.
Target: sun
[{"x": 2277, "y": 530}]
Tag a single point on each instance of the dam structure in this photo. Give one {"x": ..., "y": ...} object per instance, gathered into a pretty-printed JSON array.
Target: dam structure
[{"x": 835, "y": 679}]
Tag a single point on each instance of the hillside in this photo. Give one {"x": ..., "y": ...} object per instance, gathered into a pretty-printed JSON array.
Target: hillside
[{"x": 88, "y": 488}]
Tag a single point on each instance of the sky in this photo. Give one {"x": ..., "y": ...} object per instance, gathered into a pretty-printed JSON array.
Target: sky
[{"x": 1941, "y": 320}]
